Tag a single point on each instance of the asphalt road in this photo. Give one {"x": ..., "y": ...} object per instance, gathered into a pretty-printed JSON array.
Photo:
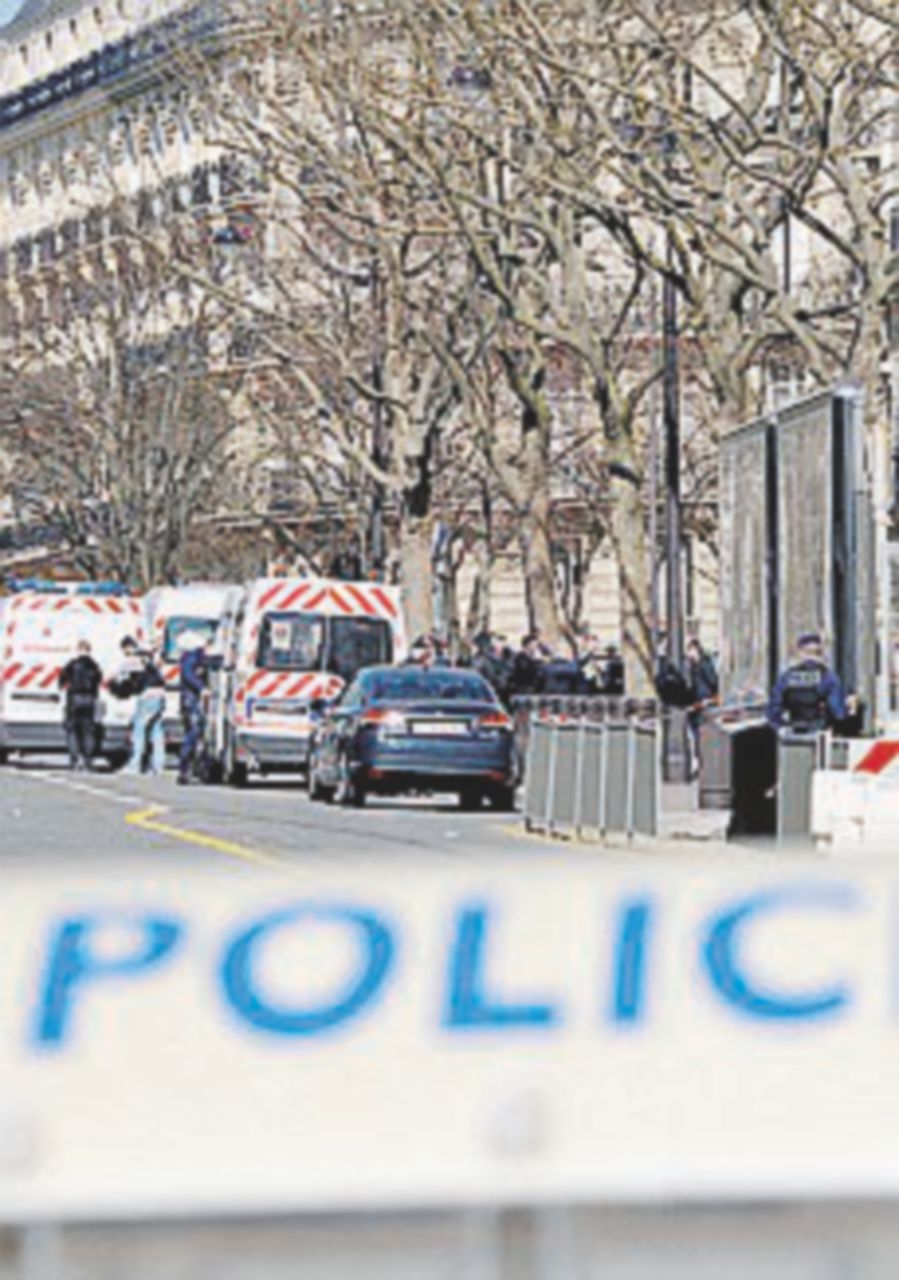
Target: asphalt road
[{"x": 48, "y": 813}]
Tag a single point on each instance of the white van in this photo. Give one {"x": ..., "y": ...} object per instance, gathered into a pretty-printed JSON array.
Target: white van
[
  {"x": 176, "y": 613},
  {"x": 41, "y": 630},
  {"x": 292, "y": 642}
]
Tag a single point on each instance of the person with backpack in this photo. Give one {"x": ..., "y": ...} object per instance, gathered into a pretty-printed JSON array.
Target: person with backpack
[
  {"x": 140, "y": 677},
  {"x": 81, "y": 679}
]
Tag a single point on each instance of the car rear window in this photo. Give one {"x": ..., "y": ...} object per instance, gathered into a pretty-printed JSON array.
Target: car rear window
[{"x": 439, "y": 686}]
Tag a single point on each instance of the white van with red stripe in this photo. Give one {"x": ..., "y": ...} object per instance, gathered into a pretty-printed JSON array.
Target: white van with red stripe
[
  {"x": 175, "y": 614},
  {"x": 40, "y": 634},
  {"x": 295, "y": 641}
]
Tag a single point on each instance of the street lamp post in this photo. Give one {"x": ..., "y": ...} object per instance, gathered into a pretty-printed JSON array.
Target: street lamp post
[
  {"x": 376, "y": 545},
  {"x": 676, "y": 756}
]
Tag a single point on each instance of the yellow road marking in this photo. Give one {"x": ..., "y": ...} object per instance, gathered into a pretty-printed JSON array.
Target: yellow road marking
[{"x": 146, "y": 819}]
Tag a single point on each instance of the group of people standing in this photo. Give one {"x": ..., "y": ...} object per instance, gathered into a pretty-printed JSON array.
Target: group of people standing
[
  {"x": 533, "y": 668},
  {"x": 138, "y": 676}
]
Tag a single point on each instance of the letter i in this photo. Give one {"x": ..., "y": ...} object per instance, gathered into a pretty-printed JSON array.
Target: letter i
[{"x": 628, "y": 1000}]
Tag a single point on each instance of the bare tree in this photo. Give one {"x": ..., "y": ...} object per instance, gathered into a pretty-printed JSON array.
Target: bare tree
[{"x": 116, "y": 414}]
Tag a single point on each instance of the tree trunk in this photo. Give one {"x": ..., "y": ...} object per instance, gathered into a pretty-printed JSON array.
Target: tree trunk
[
  {"x": 416, "y": 537},
  {"x": 634, "y": 585},
  {"x": 416, "y": 578},
  {"x": 539, "y": 581},
  {"x": 534, "y": 527}
]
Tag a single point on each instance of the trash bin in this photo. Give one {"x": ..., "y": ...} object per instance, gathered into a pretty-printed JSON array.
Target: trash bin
[
  {"x": 715, "y": 781},
  {"x": 753, "y": 755},
  {"x": 798, "y": 756}
]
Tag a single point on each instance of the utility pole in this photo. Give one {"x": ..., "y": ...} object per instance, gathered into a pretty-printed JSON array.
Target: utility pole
[
  {"x": 376, "y": 545},
  {"x": 676, "y": 757}
]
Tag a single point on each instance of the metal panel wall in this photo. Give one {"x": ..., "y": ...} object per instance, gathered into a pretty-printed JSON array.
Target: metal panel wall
[{"x": 744, "y": 596}]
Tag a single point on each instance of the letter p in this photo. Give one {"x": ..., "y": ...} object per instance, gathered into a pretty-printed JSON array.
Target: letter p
[{"x": 76, "y": 956}]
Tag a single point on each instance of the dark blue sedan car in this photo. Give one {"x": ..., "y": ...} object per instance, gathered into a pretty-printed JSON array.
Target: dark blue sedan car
[{"x": 399, "y": 729}]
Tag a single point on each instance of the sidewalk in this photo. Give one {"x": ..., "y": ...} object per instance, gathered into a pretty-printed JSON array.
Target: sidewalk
[{"x": 682, "y": 819}]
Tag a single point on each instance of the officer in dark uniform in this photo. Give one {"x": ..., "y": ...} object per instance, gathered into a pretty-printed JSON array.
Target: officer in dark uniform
[
  {"x": 808, "y": 697},
  {"x": 194, "y": 679},
  {"x": 81, "y": 679}
]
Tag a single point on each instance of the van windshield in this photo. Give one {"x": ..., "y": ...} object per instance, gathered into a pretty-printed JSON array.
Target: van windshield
[
  {"x": 355, "y": 643},
  {"x": 291, "y": 642},
  {"x": 310, "y": 642},
  {"x": 179, "y": 629}
]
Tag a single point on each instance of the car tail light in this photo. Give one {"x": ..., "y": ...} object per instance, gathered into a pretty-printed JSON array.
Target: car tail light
[
  {"x": 495, "y": 720},
  {"x": 383, "y": 718}
]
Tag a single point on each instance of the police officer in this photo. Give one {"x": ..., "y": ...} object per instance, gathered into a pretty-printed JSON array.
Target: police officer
[
  {"x": 808, "y": 696},
  {"x": 81, "y": 679},
  {"x": 194, "y": 680}
]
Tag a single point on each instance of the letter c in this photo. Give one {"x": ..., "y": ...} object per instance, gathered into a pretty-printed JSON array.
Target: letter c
[{"x": 736, "y": 987}]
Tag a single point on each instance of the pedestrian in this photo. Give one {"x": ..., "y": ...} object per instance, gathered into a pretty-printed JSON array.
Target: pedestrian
[
  {"x": 194, "y": 681},
  {"x": 592, "y": 662},
  {"x": 808, "y": 696},
  {"x": 562, "y": 676},
  {"x": 671, "y": 683},
  {"x": 614, "y": 679},
  {"x": 489, "y": 663},
  {"x": 81, "y": 679},
  {"x": 140, "y": 677},
  {"x": 440, "y": 651},
  {"x": 701, "y": 675},
  {"x": 421, "y": 653},
  {"x": 702, "y": 682},
  {"x": 527, "y": 668}
]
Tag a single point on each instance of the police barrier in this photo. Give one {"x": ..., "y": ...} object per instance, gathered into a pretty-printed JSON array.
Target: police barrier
[
  {"x": 798, "y": 756},
  {"x": 599, "y": 777},
  {"x": 594, "y": 708},
  {"x": 202, "y": 1046}
]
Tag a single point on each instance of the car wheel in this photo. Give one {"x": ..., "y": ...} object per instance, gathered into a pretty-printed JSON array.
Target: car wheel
[
  {"x": 4, "y": 756},
  {"x": 239, "y": 775},
  {"x": 317, "y": 789},
  {"x": 503, "y": 799},
  {"x": 470, "y": 799},
  {"x": 236, "y": 772},
  {"x": 350, "y": 791}
]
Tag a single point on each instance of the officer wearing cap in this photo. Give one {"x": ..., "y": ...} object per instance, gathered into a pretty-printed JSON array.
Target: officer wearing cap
[{"x": 808, "y": 697}]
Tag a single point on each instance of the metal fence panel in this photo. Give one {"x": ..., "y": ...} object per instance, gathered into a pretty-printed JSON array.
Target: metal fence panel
[
  {"x": 537, "y": 774},
  {"x": 592, "y": 814},
  {"x": 564, "y": 796},
  {"x": 645, "y": 779},
  {"x": 617, "y": 789}
]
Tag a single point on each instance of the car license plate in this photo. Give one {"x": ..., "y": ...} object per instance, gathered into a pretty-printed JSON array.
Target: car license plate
[{"x": 439, "y": 728}]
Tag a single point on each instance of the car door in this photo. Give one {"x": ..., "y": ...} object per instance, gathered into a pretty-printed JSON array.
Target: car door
[{"x": 337, "y": 723}]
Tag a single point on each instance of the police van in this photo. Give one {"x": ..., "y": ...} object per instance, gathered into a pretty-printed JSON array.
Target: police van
[
  {"x": 293, "y": 643},
  {"x": 177, "y": 618},
  {"x": 42, "y": 625}
]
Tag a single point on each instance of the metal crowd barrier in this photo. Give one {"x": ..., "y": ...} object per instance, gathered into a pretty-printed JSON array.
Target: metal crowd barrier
[
  {"x": 594, "y": 777},
  {"x": 591, "y": 707}
]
